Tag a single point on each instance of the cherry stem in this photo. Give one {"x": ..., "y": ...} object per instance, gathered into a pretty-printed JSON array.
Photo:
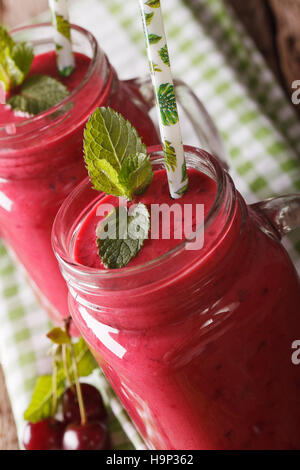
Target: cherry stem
[
  {"x": 76, "y": 375},
  {"x": 78, "y": 387},
  {"x": 67, "y": 323},
  {"x": 66, "y": 367},
  {"x": 54, "y": 381}
]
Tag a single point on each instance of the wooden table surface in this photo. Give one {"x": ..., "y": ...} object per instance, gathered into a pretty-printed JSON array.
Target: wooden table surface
[
  {"x": 8, "y": 435},
  {"x": 274, "y": 26}
]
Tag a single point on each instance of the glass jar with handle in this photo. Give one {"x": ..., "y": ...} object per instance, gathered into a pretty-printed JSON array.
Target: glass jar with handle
[
  {"x": 41, "y": 158},
  {"x": 197, "y": 344}
]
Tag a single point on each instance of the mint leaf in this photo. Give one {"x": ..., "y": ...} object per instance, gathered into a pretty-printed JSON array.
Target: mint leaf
[
  {"x": 121, "y": 235},
  {"x": 110, "y": 137},
  {"x": 6, "y": 45},
  {"x": 12, "y": 75},
  {"x": 136, "y": 174},
  {"x": 6, "y": 40},
  {"x": 105, "y": 178},
  {"x": 109, "y": 140},
  {"x": 38, "y": 93},
  {"x": 41, "y": 402},
  {"x": 22, "y": 54},
  {"x": 15, "y": 60}
]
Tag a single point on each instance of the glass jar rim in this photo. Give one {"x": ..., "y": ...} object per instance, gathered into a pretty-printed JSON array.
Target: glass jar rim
[
  {"x": 96, "y": 51},
  {"x": 222, "y": 180}
]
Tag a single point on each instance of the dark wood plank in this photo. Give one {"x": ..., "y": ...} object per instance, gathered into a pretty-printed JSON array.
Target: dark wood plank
[
  {"x": 258, "y": 21},
  {"x": 8, "y": 434},
  {"x": 274, "y": 26},
  {"x": 287, "y": 36}
]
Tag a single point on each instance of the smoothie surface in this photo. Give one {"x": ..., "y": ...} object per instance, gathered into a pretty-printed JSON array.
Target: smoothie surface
[
  {"x": 202, "y": 190},
  {"x": 45, "y": 64}
]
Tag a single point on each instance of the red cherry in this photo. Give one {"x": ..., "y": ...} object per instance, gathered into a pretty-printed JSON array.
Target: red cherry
[
  {"x": 90, "y": 436},
  {"x": 93, "y": 403},
  {"x": 44, "y": 435}
]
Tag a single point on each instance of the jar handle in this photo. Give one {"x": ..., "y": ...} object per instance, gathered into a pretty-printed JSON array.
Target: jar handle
[
  {"x": 202, "y": 123},
  {"x": 281, "y": 213}
]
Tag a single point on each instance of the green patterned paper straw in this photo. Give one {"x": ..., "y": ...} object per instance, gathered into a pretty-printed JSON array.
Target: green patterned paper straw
[
  {"x": 165, "y": 96},
  {"x": 63, "y": 44}
]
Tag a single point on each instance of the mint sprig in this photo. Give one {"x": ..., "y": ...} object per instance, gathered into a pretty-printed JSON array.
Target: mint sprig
[
  {"x": 118, "y": 164},
  {"x": 38, "y": 93},
  {"x": 136, "y": 174},
  {"x": 115, "y": 155},
  {"x": 121, "y": 235},
  {"x": 15, "y": 61}
]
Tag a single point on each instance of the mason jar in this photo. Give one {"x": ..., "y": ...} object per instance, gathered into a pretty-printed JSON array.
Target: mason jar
[
  {"x": 41, "y": 158},
  {"x": 197, "y": 344}
]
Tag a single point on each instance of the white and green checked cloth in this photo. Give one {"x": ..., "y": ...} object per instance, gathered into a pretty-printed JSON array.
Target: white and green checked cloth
[{"x": 211, "y": 52}]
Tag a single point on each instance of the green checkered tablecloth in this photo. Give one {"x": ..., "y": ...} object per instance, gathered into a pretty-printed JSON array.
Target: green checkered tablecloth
[{"x": 211, "y": 52}]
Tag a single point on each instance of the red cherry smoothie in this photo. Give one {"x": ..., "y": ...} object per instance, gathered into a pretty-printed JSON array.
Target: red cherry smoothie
[
  {"x": 200, "y": 188},
  {"x": 200, "y": 355},
  {"x": 39, "y": 167},
  {"x": 46, "y": 64}
]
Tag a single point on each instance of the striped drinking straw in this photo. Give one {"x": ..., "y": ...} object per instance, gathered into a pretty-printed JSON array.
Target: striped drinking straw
[
  {"x": 163, "y": 85},
  {"x": 63, "y": 45}
]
